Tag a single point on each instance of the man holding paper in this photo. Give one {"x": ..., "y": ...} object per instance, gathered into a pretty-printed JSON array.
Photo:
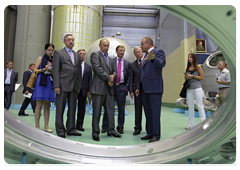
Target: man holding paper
[{"x": 27, "y": 92}]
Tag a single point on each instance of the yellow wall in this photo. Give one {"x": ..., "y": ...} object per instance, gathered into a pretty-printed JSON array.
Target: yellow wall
[
  {"x": 83, "y": 22},
  {"x": 176, "y": 63}
]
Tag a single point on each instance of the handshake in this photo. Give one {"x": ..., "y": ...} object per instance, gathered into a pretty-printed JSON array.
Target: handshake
[{"x": 110, "y": 83}]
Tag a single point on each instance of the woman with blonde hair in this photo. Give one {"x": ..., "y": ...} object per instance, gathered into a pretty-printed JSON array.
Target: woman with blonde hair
[{"x": 194, "y": 74}]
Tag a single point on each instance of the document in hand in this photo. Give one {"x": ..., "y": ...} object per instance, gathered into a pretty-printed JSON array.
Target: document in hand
[
  {"x": 48, "y": 71},
  {"x": 29, "y": 95}
]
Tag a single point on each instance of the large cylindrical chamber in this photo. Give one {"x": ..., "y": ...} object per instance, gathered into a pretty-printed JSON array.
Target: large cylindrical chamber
[
  {"x": 83, "y": 21},
  {"x": 32, "y": 33},
  {"x": 113, "y": 43}
]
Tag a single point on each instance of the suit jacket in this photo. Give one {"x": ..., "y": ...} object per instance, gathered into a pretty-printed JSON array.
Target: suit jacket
[
  {"x": 151, "y": 73},
  {"x": 134, "y": 76},
  {"x": 102, "y": 74},
  {"x": 14, "y": 79},
  {"x": 26, "y": 76},
  {"x": 66, "y": 76},
  {"x": 126, "y": 72},
  {"x": 86, "y": 79}
]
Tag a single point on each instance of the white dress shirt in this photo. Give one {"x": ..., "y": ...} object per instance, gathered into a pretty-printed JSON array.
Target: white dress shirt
[
  {"x": 8, "y": 78},
  {"x": 224, "y": 76},
  {"x": 82, "y": 65},
  {"x": 141, "y": 60}
]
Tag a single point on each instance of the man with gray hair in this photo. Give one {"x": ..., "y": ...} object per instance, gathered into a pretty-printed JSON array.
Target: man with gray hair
[
  {"x": 67, "y": 78},
  {"x": 223, "y": 81},
  {"x": 134, "y": 79},
  {"x": 150, "y": 86}
]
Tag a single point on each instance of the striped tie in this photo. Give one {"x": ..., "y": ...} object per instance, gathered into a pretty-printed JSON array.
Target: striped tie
[
  {"x": 71, "y": 56},
  {"x": 119, "y": 70}
]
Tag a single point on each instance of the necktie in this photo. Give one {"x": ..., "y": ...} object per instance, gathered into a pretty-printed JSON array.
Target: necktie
[
  {"x": 146, "y": 55},
  {"x": 82, "y": 68},
  {"x": 106, "y": 57},
  {"x": 8, "y": 79},
  {"x": 71, "y": 56},
  {"x": 119, "y": 70},
  {"x": 140, "y": 63}
]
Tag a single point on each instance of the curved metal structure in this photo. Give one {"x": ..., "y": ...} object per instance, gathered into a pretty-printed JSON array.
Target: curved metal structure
[
  {"x": 212, "y": 141},
  {"x": 210, "y": 70},
  {"x": 182, "y": 103}
]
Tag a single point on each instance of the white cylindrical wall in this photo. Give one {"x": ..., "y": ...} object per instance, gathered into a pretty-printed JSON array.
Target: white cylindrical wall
[{"x": 32, "y": 33}]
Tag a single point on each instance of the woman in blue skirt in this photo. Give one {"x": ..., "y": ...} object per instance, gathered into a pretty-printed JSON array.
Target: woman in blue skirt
[{"x": 43, "y": 92}]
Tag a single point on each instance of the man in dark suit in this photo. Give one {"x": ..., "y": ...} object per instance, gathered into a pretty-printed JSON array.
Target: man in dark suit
[
  {"x": 27, "y": 90},
  {"x": 82, "y": 95},
  {"x": 151, "y": 87},
  {"x": 67, "y": 77},
  {"x": 102, "y": 90},
  {"x": 134, "y": 79},
  {"x": 10, "y": 79},
  {"x": 120, "y": 86}
]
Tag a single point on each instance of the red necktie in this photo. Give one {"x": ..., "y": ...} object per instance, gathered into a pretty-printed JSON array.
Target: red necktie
[
  {"x": 119, "y": 70},
  {"x": 140, "y": 63}
]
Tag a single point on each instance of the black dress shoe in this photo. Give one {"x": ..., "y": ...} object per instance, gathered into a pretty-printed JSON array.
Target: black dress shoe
[
  {"x": 103, "y": 130},
  {"x": 146, "y": 137},
  {"x": 96, "y": 137},
  {"x": 120, "y": 130},
  {"x": 23, "y": 114},
  {"x": 80, "y": 128},
  {"x": 154, "y": 139},
  {"x": 136, "y": 132},
  {"x": 115, "y": 135},
  {"x": 75, "y": 134},
  {"x": 62, "y": 136}
]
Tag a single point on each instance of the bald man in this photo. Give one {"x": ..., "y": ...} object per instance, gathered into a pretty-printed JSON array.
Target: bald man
[
  {"x": 224, "y": 81},
  {"x": 151, "y": 88}
]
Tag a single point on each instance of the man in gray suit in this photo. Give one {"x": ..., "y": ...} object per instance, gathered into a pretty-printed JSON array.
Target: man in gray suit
[
  {"x": 120, "y": 87},
  {"x": 102, "y": 90},
  {"x": 10, "y": 79},
  {"x": 67, "y": 79}
]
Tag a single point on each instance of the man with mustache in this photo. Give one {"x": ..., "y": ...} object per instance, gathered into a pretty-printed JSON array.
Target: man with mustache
[{"x": 67, "y": 79}]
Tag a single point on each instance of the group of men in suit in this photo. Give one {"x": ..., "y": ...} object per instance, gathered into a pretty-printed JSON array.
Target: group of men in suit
[
  {"x": 72, "y": 80},
  {"x": 10, "y": 79},
  {"x": 143, "y": 78},
  {"x": 120, "y": 88}
]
